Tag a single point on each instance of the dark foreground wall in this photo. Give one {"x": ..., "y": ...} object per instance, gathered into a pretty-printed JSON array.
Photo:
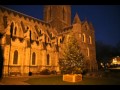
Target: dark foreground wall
[{"x": 1, "y": 60}]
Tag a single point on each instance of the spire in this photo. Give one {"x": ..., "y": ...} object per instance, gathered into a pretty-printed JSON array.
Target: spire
[{"x": 76, "y": 19}]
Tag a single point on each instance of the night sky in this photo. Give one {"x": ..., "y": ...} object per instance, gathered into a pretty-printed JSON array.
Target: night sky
[{"x": 105, "y": 18}]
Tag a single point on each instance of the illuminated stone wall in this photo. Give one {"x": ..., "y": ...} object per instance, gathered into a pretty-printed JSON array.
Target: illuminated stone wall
[
  {"x": 45, "y": 39},
  {"x": 40, "y": 43}
]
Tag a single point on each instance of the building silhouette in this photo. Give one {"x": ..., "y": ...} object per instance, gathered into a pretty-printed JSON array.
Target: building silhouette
[{"x": 31, "y": 45}]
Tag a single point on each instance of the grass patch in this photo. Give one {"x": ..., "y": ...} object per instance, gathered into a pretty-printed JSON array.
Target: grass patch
[{"x": 57, "y": 80}]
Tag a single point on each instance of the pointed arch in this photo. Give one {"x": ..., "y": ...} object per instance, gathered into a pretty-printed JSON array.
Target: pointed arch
[
  {"x": 11, "y": 29},
  {"x": 48, "y": 59},
  {"x": 88, "y": 52},
  {"x": 40, "y": 31},
  {"x": 60, "y": 40},
  {"x": 83, "y": 38},
  {"x": 15, "y": 30},
  {"x": 15, "y": 59},
  {"x": 90, "y": 40},
  {"x": 33, "y": 58}
]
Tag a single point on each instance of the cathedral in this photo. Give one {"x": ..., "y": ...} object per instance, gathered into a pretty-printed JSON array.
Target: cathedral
[{"x": 32, "y": 45}]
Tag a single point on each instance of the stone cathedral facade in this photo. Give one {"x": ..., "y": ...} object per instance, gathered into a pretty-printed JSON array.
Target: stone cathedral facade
[{"x": 31, "y": 45}]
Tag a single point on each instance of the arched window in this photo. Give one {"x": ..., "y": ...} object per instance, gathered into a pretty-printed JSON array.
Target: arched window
[
  {"x": 60, "y": 40},
  {"x": 33, "y": 58},
  {"x": 48, "y": 59},
  {"x": 15, "y": 59},
  {"x": 90, "y": 40},
  {"x": 15, "y": 31},
  {"x": 40, "y": 32},
  {"x": 88, "y": 52},
  {"x": 11, "y": 29},
  {"x": 83, "y": 38}
]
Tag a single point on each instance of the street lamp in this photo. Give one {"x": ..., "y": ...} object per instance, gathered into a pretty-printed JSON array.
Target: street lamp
[{"x": 114, "y": 61}]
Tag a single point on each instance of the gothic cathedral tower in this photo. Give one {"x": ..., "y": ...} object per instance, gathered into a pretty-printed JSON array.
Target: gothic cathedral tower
[{"x": 59, "y": 16}]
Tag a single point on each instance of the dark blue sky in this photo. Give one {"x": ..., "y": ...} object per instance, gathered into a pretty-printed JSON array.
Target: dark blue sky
[{"x": 105, "y": 18}]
